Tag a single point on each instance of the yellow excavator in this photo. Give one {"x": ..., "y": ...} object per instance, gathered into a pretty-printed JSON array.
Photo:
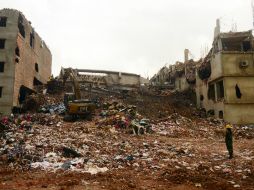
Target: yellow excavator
[{"x": 76, "y": 106}]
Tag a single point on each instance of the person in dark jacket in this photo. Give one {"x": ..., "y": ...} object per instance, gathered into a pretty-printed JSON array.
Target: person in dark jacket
[{"x": 229, "y": 140}]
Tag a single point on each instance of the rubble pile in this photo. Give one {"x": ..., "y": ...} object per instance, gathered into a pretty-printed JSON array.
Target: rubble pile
[
  {"x": 54, "y": 86},
  {"x": 119, "y": 138},
  {"x": 117, "y": 115},
  {"x": 43, "y": 103},
  {"x": 33, "y": 102},
  {"x": 177, "y": 126}
]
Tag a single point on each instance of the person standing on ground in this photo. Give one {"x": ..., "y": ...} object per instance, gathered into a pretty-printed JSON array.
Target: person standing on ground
[{"x": 229, "y": 140}]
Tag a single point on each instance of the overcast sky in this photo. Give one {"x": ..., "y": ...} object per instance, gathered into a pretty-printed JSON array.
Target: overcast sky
[{"x": 138, "y": 36}]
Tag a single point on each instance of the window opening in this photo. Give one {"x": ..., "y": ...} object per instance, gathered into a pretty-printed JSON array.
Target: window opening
[
  {"x": 210, "y": 113},
  {"x": 220, "y": 90},
  {"x": 201, "y": 97},
  {"x": 2, "y": 43},
  {"x": 3, "y": 21},
  {"x": 221, "y": 114},
  {"x": 211, "y": 92},
  {"x": 36, "y": 67},
  {"x": 32, "y": 39},
  {"x": 23, "y": 93},
  {"x": 21, "y": 26},
  {"x": 17, "y": 52},
  {"x": 246, "y": 46},
  {"x": 238, "y": 92},
  {"x": 236, "y": 44},
  {"x": 36, "y": 82},
  {"x": 1, "y": 91},
  {"x": 17, "y": 60},
  {"x": 1, "y": 67}
]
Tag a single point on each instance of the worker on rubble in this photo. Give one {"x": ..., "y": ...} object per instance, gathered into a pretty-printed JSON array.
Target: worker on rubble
[{"x": 229, "y": 140}]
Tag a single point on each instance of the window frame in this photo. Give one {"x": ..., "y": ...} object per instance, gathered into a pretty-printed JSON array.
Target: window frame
[
  {"x": 3, "y": 23},
  {"x": 1, "y": 91},
  {"x": 4, "y": 41},
  {"x": 2, "y": 63}
]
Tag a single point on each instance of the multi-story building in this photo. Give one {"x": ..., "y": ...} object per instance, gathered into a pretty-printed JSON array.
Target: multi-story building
[
  {"x": 225, "y": 80},
  {"x": 25, "y": 60}
]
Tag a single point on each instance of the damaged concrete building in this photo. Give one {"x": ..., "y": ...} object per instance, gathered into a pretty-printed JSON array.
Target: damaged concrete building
[
  {"x": 225, "y": 79},
  {"x": 181, "y": 76},
  {"x": 25, "y": 60},
  {"x": 111, "y": 80}
]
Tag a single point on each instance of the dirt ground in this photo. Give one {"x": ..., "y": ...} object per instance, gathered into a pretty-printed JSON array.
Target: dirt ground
[
  {"x": 166, "y": 177},
  {"x": 189, "y": 161}
]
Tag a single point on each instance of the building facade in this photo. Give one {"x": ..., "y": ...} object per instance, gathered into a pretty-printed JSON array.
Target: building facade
[
  {"x": 225, "y": 80},
  {"x": 25, "y": 60}
]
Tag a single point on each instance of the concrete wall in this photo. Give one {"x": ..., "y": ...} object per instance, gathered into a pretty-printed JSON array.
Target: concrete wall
[
  {"x": 21, "y": 73},
  {"x": 231, "y": 64},
  {"x": 239, "y": 113},
  {"x": 124, "y": 80},
  {"x": 246, "y": 86},
  {"x": 216, "y": 67},
  {"x": 7, "y": 55},
  {"x": 225, "y": 66},
  {"x": 216, "y": 105},
  {"x": 181, "y": 83},
  {"x": 113, "y": 78}
]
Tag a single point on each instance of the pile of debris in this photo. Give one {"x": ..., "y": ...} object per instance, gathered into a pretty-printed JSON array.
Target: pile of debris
[
  {"x": 117, "y": 115},
  {"x": 43, "y": 103}
]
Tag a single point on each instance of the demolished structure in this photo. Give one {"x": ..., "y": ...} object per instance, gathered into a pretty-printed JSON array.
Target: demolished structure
[
  {"x": 223, "y": 81},
  {"x": 181, "y": 76},
  {"x": 25, "y": 60},
  {"x": 111, "y": 80}
]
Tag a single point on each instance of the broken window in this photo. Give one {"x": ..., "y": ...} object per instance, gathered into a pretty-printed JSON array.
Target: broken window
[
  {"x": 204, "y": 71},
  {"x": 32, "y": 39},
  {"x": 1, "y": 67},
  {"x": 36, "y": 67},
  {"x": 36, "y": 82},
  {"x": 221, "y": 114},
  {"x": 23, "y": 92},
  {"x": 21, "y": 26},
  {"x": 3, "y": 21},
  {"x": 1, "y": 91},
  {"x": 17, "y": 52},
  {"x": 246, "y": 46},
  {"x": 211, "y": 92},
  {"x": 201, "y": 97},
  {"x": 236, "y": 44},
  {"x": 210, "y": 113},
  {"x": 220, "y": 90},
  {"x": 2, "y": 43},
  {"x": 17, "y": 60},
  {"x": 238, "y": 92}
]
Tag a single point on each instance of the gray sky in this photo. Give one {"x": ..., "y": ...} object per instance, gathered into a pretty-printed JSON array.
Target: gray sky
[{"x": 138, "y": 36}]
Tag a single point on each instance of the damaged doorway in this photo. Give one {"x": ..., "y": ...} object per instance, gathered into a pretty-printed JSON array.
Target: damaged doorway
[
  {"x": 23, "y": 93},
  {"x": 36, "y": 82}
]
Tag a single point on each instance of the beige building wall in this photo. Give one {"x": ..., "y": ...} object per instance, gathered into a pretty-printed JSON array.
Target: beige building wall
[
  {"x": 181, "y": 83},
  {"x": 8, "y": 33},
  {"x": 20, "y": 70},
  {"x": 227, "y": 67}
]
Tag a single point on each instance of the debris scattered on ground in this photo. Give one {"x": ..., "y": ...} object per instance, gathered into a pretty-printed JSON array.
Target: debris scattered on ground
[{"x": 120, "y": 138}]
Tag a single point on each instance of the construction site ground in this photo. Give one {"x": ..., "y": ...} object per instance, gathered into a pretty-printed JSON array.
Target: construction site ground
[{"x": 184, "y": 152}]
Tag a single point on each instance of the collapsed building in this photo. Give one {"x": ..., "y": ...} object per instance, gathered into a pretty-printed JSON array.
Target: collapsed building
[
  {"x": 25, "y": 59},
  {"x": 181, "y": 76},
  {"x": 110, "y": 80},
  {"x": 225, "y": 79}
]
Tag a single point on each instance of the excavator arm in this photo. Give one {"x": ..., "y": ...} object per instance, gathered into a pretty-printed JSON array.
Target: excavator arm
[{"x": 69, "y": 73}]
